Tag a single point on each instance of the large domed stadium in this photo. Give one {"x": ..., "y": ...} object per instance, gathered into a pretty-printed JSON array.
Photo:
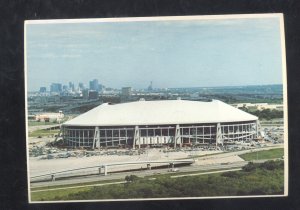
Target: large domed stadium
[{"x": 173, "y": 123}]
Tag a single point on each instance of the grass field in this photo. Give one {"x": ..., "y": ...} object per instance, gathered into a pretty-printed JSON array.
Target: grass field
[
  {"x": 54, "y": 194},
  {"x": 262, "y": 155},
  {"x": 43, "y": 133},
  {"x": 35, "y": 123}
]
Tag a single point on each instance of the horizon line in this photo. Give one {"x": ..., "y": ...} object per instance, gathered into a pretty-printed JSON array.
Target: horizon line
[{"x": 222, "y": 86}]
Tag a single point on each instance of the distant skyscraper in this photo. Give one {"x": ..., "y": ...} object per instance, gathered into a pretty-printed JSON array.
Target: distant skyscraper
[
  {"x": 94, "y": 85},
  {"x": 56, "y": 87},
  {"x": 126, "y": 91},
  {"x": 65, "y": 88},
  {"x": 43, "y": 89},
  {"x": 71, "y": 86},
  {"x": 100, "y": 87},
  {"x": 80, "y": 86},
  {"x": 150, "y": 87}
]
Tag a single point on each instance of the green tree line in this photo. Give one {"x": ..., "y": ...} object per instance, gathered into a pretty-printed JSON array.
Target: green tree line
[
  {"x": 254, "y": 179},
  {"x": 267, "y": 114}
]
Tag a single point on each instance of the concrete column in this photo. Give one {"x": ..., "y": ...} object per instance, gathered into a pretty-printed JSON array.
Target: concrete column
[
  {"x": 136, "y": 138},
  {"x": 172, "y": 165},
  {"x": 149, "y": 166},
  {"x": 219, "y": 135},
  {"x": 105, "y": 170},
  {"x": 257, "y": 128},
  {"x": 177, "y": 136},
  {"x": 96, "y": 137},
  {"x": 61, "y": 132}
]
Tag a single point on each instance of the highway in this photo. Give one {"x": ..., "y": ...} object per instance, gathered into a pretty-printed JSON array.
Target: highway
[
  {"x": 143, "y": 173},
  {"x": 198, "y": 166},
  {"x": 122, "y": 182}
]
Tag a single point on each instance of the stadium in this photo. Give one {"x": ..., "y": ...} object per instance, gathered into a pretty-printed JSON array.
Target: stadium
[{"x": 173, "y": 123}]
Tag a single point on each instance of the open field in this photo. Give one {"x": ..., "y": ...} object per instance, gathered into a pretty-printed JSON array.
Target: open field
[
  {"x": 43, "y": 133},
  {"x": 51, "y": 195},
  {"x": 36, "y": 123},
  {"x": 262, "y": 155}
]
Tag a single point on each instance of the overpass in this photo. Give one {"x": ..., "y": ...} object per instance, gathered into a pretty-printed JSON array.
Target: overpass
[{"x": 105, "y": 167}]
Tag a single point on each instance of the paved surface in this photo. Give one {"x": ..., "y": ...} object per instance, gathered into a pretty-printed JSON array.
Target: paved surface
[
  {"x": 121, "y": 182},
  {"x": 202, "y": 164},
  {"x": 143, "y": 173}
]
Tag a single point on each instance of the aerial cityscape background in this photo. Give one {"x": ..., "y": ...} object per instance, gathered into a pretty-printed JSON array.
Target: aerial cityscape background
[
  {"x": 156, "y": 60},
  {"x": 172, "y": 54}
]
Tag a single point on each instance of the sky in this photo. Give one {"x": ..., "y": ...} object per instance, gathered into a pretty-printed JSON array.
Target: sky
[{"x": 171, "y": 53}]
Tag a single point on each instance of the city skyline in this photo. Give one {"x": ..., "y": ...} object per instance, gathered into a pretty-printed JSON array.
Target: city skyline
[
  {"x": 171, "y": 53},
  {"x": 78, "y": 86}
]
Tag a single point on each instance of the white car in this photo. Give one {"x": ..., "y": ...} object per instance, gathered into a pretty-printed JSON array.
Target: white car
[{"x": 173, "y": 170}]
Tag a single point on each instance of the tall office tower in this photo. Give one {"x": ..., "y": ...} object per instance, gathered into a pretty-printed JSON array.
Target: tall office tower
[
  {"x": 65, "y": 88},
  {"x": 71, "y": 86},
  {"x": 80, "y": 86},
  {"x": 56, "y": 87},
  {"x": 94, "y": 85},
  {"x": 100, "y": 87},
  {"x": 43, "y": 90},
  {"x": 150, "y": 88}
]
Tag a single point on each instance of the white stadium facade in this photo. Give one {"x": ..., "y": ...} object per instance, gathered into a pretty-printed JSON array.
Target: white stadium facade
[{"x": 172, "y": 123}]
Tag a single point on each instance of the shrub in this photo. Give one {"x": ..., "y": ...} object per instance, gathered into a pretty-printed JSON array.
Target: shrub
[
  {"x": 271, "y": 165},
  {"x": 131, "y": 178},
  {"x": 249, "y": 167}
]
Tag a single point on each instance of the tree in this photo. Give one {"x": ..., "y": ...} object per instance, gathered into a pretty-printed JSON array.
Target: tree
[
  {"x": 131, "y": 178},
  {"x": 249, "y": 167},
  {"x": 272, "y": 165}
]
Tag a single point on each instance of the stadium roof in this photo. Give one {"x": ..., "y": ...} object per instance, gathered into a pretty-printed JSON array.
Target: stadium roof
[{"x": 160, "y": 113}]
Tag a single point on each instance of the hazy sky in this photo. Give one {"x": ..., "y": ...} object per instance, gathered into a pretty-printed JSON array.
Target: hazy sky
[{"x": 193, "y": 53}]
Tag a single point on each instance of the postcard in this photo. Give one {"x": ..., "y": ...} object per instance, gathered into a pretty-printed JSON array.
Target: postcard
[{"x": 156, "y": 108}]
